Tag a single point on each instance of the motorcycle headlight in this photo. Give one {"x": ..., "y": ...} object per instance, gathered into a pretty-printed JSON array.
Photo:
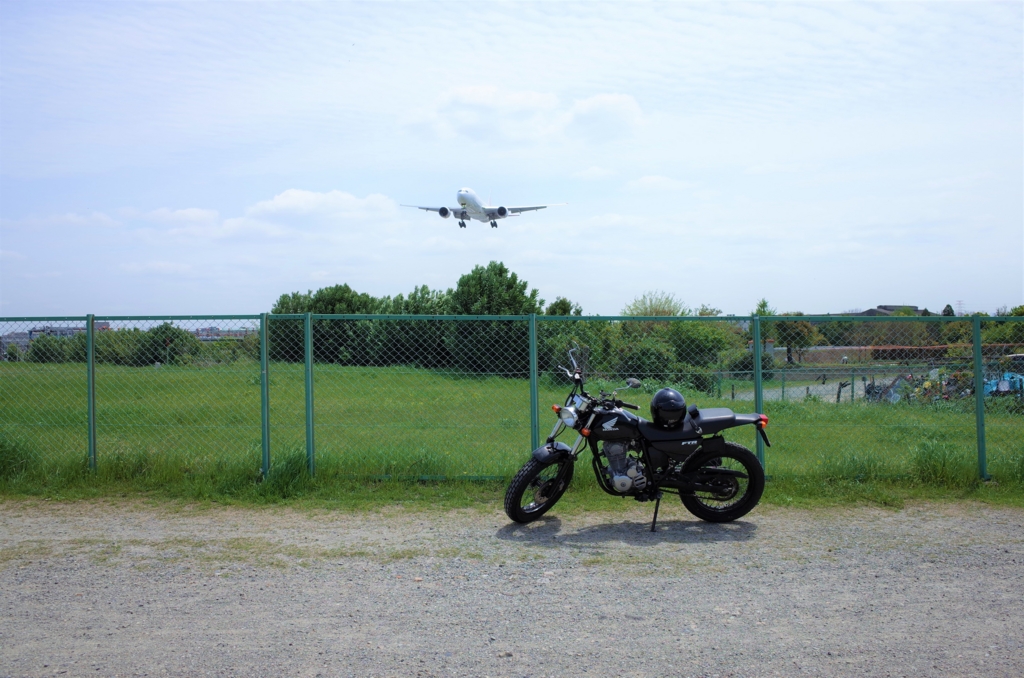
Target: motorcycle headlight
[{"x": 568, "y": 416}]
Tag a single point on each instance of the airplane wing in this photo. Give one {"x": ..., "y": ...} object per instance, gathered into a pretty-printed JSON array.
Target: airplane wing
[
  {"x": 519, "y": 210},
  {"x": 453, "y": 210}
]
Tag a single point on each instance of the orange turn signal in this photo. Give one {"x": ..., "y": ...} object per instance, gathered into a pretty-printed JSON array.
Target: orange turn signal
[
  {"x": 556, "y": 408},
  {"x": 585, "y": 432}
]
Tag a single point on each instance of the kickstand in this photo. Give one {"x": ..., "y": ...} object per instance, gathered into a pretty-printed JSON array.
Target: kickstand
[{"x": 657, "y": 505}]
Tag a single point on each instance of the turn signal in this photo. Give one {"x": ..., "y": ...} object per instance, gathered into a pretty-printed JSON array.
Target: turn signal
[
  {"x": 556, "y": 408},
  {"x": 764, "y": 420},
  {"x": 585, "y": 432}
]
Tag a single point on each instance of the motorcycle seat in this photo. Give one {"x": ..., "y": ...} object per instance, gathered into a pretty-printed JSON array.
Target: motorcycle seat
[{"x": 715, "y": 419}]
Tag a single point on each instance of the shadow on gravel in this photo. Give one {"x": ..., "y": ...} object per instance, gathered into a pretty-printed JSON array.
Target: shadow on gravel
[{"x": 547, "y": 531}]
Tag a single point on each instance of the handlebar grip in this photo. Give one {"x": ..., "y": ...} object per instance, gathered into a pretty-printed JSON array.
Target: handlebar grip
[{"x": 630, "y": 406}]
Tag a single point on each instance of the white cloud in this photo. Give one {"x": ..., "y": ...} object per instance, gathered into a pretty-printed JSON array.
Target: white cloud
[
  {"x": 489, "y": 112},
  {"x": 10, "y": 255},
  {"x": 604, "y": 116},
  {"x": 192, "y": 215},
  {"x": 332, "y": 204}
]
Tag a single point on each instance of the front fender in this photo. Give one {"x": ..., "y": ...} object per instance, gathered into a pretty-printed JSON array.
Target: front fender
[{"x": 552, "y": 452}]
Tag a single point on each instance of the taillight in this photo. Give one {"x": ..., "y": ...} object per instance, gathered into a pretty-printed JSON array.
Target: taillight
[{"x": 764, "y": 420}]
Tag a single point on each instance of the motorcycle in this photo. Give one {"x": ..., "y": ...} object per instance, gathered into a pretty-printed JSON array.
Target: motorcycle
[{"x": 717, "y": 480}]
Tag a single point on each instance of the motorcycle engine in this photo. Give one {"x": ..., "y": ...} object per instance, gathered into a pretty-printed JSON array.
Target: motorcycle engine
[{"x": 626, "y": 472}]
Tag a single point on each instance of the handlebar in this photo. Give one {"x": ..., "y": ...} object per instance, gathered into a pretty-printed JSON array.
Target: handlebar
[{"x": 627, "y": 405}]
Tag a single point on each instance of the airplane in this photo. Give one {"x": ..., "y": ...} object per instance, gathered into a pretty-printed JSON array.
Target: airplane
[{"x": 472, "y": 207}]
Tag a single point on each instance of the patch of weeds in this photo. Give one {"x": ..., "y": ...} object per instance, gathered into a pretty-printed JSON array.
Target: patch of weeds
[
  {"x": 853, "y": 466},
  {"x": 940, "y": 463}
]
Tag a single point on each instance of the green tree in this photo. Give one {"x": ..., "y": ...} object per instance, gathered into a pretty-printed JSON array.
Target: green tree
[
  {"x": 948, "y": 311},
  {"x": 797, "y": 335},
  {"x": 708, "y": 311},
  {"x": 562, "y": 306},
  {"x": 296, "y": 302},
  {"x": 342, "y": 299},
  {"x": 165, "y": 343},
  {"x": 656, "y": 303},
  {"x": 762, "y": 309},
  {"x": 494, "y": 290}
]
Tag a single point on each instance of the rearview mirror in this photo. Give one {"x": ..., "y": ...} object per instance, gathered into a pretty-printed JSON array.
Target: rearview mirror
[{"x": 633, "y": 383}]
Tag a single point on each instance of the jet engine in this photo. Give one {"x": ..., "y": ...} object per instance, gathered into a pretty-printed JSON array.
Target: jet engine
[
  {"x": 502, "y": 212},
  {"x": 444, "y": 212}
]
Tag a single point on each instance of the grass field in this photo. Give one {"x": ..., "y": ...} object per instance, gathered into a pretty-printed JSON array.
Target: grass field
[{"x": 195, "y": 432}]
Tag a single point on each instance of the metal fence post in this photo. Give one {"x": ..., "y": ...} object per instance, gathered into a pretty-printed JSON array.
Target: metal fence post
[
  {"x": 307, "y": 327},
  {"x": 979, "y": 399},
  {"x": 534, "y": 396},
  {"x": 265, "y": 394},
  {"x": 90, "y": 380},
  {"x": 758, "y": 385}
]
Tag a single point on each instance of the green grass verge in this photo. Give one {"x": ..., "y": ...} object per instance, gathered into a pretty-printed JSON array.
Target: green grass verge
[{"x": 193, "y": 433}]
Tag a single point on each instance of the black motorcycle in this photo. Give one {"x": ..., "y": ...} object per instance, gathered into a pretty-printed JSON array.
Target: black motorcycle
[{"x": 681, "y": 451}]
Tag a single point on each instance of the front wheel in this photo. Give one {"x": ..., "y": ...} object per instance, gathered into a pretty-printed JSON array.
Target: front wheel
[
  {"x": 728, "y": 495},
  {"x": 536, "y": 488}
]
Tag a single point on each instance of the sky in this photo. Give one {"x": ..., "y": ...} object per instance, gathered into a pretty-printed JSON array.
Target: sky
[{"x": 203, "y": 158}]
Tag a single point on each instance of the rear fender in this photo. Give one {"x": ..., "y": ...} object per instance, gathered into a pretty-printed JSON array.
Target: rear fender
[
  {"x": 758, "y": 420},
  {"x": 552, "y": 453}
]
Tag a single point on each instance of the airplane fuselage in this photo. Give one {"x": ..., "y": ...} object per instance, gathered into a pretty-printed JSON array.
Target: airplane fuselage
[{"x": 473, "y": 206}]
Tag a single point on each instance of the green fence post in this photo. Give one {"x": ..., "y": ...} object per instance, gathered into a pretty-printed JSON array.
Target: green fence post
[
  {"x": 90, "y": 381},
  {"x": 758, "y": 386},
  {"x": 307, "y": 328},
  {"x": 264, "y": 394},
  {"x": 783, "y": 388},
  {"x": 853, "y": 384},
  {"x": 534, "y": 396},
  {"x": 979, "y": 399}
]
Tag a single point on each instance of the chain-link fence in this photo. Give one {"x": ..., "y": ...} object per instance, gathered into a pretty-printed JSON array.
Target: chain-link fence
[{"x": 927, "y": 398}]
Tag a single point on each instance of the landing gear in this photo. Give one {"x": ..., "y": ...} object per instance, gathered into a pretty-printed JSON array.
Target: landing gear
[
  {"x": 462, "y": 224},
  {"x": 494, "y": 224}
]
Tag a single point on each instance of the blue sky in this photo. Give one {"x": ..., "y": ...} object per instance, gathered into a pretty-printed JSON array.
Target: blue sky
[{"x": 207, "y": 157}]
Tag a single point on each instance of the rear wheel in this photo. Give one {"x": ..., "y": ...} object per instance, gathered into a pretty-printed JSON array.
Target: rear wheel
[
  {"x": 728, "y": 495},
  {"x": 536, "y": 488}
]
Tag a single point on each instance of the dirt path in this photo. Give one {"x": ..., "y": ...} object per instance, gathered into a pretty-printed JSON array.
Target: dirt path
[{"x": 99, "y": 589}]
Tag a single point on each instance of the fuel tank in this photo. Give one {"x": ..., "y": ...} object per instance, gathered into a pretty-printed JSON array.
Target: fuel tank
[{"x": 615, "y": 425}]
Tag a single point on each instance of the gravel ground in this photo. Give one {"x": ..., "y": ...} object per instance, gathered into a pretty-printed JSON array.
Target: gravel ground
[{"x": 99, "y": 588}]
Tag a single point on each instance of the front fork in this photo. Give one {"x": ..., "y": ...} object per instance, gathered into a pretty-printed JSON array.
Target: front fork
[{"x": 576, "y": 448}]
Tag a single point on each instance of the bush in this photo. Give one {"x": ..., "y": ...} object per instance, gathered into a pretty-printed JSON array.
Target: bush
[
  {"x": 46, "y": 349},
  {"x": 164, "y": 343},
  {"x": 744, "y": 363},
  {"x": 649, "y": 356}
]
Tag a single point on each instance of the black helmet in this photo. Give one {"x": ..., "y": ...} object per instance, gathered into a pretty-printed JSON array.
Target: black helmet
[{"x": 668, "y": 407}]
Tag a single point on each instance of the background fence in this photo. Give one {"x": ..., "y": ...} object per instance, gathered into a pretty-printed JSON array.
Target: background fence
[{"x": 929, "y": 398}]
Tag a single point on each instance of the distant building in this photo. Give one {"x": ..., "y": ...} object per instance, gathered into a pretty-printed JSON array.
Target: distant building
[
  {"x": 216, "y": 333},
  {"x": 23, "y": 339}
]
